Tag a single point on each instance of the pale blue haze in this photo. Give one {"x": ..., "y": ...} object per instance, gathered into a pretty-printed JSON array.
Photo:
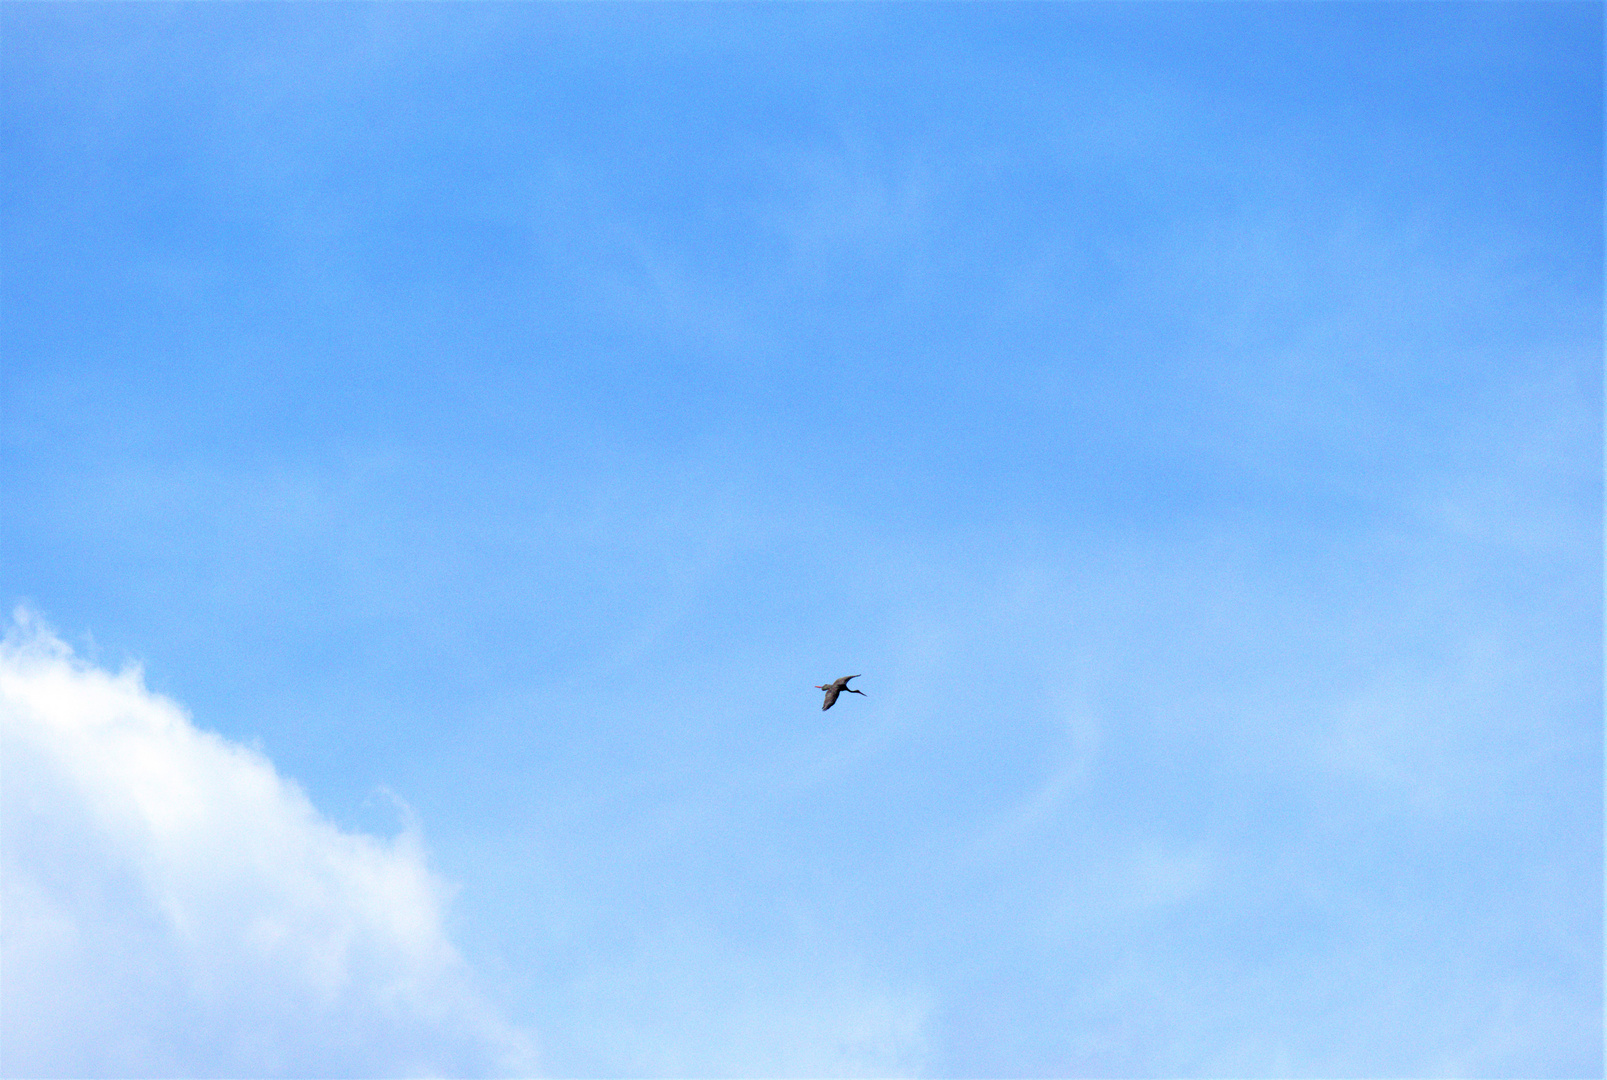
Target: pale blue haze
[{"x": 1188, "y": 418}]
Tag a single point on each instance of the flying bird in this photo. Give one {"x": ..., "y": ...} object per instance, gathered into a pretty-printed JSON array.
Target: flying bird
[{"x": 833, "y": 689}]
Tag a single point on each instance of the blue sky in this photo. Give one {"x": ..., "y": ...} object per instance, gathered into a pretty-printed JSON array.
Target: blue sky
[{"x": 444, "y": 445}]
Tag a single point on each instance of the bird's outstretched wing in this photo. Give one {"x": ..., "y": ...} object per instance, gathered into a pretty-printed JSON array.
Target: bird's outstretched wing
[
  {"x": 831, "y": 696},
  {"x": 843, "y": 682}
]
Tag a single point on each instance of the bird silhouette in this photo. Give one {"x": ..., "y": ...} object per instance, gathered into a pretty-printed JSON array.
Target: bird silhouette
[{"x": 833, "y": 689}]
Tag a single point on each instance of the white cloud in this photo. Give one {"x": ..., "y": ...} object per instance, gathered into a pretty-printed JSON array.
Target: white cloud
[{"x": 174, "y": 906}]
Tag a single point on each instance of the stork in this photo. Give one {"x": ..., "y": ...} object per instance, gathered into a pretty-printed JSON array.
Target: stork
[{"x": 833, "y": 689}]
